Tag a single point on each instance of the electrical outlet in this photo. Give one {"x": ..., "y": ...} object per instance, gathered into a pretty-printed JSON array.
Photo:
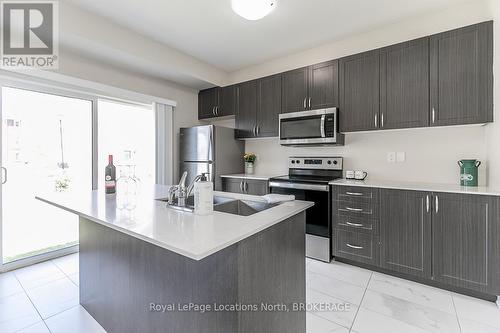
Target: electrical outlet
[
  {"x": 391, "y": 157},
  {"x": 400, "y": 156}
]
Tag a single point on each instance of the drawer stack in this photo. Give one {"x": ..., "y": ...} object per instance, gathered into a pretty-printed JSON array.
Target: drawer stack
[{"x": 355, "y": 222}]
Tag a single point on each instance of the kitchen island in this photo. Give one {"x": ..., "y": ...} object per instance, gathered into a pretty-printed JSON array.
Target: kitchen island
[{"x": 150, "y": 268}]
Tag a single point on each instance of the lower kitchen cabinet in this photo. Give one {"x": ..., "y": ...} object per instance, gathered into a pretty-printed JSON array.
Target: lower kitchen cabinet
[
  {"x": 405, "y": 232},
  {"x": 245, "y": 186},
  {"x": 451, "y": 240},
  {"x": 356, "y": 246},
  {"x": 466, "y": 241}
]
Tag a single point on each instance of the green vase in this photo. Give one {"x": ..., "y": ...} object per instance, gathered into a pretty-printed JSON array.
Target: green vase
[{"x": 468, "y": 172}]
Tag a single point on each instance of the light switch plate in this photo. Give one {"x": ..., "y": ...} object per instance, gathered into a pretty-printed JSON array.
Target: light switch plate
[
  {"x": 400, "y": 156},
  {"x": 391, "y": 157}
]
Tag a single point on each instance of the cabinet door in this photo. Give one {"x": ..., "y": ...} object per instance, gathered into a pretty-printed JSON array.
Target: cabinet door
[
  {"x": 324, "y": 85},
  {"x": 247, "y": 110},
  {"x": 466, "y": 241},
  {"x": 295, "y": 90},
  {"x": 461, "y": 76},
  {"x": 227, "y": 103},
  {"x": 234, "y": 185},
  {"x": 269, "y": 100},
  {"x": 360, "y": 247},
  {"x": 359, "y": 92},
  {"x": 404, "y": 85},
  {"x": 208, "y": 99},
  {"x": 256, "y": 187},
  {"x": 405, "y": 231}
]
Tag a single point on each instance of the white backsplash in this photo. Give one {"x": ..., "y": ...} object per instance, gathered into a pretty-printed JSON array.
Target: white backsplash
[{"x": 431, "y": 154}]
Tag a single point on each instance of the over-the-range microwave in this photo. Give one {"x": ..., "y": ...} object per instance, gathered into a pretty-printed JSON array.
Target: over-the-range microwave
[{"x": 310, "y": 128}]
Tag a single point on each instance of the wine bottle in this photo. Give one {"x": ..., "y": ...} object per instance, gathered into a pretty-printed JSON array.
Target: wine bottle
[{"x": 110, "y": 176}]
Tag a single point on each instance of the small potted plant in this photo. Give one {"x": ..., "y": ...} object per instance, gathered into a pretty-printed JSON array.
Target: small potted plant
[{"x": 249, "y": 162}]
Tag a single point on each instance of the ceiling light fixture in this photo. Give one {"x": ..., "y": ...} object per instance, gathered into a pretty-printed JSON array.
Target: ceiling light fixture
[{"x": 253, "y": 9}]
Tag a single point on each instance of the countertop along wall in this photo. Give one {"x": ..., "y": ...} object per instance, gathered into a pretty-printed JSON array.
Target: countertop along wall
[{"x": 431, "y": 153}]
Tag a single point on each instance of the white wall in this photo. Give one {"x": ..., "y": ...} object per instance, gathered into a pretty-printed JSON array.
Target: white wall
[{"x": 431, "y": 153}]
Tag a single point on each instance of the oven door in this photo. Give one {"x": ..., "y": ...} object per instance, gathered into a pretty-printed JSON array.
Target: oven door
[{"x": 318, "y": 222}]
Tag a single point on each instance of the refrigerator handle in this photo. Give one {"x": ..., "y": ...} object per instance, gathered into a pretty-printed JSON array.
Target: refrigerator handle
[
  {"x": 211, "y": 143},
  {"x": 4, "y": 179}
]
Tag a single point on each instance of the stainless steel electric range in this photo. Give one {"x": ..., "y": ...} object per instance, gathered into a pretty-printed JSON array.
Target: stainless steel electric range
[{"x": 308, "y": 179}]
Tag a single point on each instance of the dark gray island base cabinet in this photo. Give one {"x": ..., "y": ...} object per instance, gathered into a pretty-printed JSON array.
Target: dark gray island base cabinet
[
  {"x": 122, "y": 278},
  {"x": 448, "y": 240}
]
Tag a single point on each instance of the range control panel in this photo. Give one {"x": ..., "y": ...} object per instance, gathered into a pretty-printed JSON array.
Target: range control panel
[{"x": 325, "y": 163}]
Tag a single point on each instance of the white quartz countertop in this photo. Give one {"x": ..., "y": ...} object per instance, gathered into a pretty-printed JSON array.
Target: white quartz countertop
[
  {"x": 247, "y": 176},
  {"x": 417, "y": 186},
  {"x": 187, "y": 234}
]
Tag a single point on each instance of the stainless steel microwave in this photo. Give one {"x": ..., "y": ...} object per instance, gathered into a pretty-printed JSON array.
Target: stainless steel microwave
[{"x": 310, "y": 128}]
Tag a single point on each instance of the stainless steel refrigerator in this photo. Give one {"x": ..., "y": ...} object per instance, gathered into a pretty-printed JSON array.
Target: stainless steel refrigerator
[{"x": 210, "y": 149}]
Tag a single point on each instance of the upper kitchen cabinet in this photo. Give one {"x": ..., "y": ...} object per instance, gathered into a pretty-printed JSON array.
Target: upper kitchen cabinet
[
  {"x": 359, "y": 85},
  {"x": 310, "y": 88},
  {"x": 269, "y": 106},
  {"x": 404, "y": 85},
  {"x": 217, "y": 102},
  {"x": 323, "y": 85},
  {"x": 246, "y": 111},
  {"x": 259, "y": 105},
  {"x": 227, "y": 101},
  {"x": 466, "y": 241},
  {"x": 461, "y": 76},
  {"x": 208, "y": 100},
  {"x": 295, "y": 92},
  {"x": 445, "y": 79}
]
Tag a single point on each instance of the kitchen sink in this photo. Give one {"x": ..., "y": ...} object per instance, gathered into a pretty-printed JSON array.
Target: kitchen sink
[
  {"x": 226, "y": 205},
  {"x": 190, "y": 200},
  {"x": 242, "y": 207}
]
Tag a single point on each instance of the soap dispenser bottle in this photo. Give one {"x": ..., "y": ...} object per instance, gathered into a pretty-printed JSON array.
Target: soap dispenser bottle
[{"x": 203, "y": 196}]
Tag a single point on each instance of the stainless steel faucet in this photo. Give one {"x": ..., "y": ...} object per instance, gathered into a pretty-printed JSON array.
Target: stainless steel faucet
[
  {"x": 181, "y": 192},
  {"x": 178, "y": 191}
]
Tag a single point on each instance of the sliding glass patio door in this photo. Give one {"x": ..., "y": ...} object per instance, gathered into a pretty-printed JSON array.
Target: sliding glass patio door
[{"x": 46, "y": 147}]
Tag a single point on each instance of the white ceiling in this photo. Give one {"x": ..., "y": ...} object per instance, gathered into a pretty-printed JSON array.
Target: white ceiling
[{"x": 211, "y": 32}]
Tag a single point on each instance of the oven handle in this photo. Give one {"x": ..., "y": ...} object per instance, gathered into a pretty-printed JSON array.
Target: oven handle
[{"x": 300, "y": 186}]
